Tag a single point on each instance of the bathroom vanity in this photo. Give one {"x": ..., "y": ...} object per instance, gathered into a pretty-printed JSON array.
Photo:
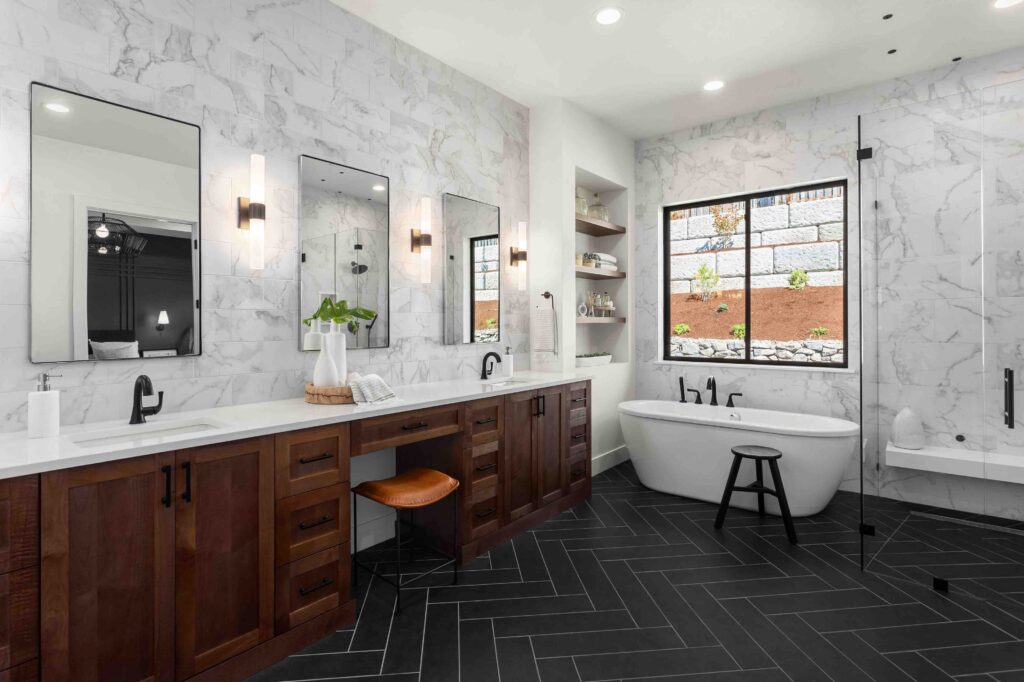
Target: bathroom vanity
[{"x": 208, "y": 546}]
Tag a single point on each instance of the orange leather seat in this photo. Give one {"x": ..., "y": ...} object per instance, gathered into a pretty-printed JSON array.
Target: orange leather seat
[{"x": 410, "y": 489}]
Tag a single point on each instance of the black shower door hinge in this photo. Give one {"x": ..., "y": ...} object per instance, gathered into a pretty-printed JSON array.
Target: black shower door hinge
[
  {"x": 864, "y": 153},
  {"x": 303, "y": 258},
  {"x": 867, "y": 529}
]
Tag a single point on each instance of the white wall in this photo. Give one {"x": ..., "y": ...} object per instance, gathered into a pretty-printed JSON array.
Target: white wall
[{"x": 564, "y": 138}]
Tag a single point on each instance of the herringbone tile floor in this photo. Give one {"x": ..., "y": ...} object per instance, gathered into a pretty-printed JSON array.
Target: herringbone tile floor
[{"x": 638, "y": 585}]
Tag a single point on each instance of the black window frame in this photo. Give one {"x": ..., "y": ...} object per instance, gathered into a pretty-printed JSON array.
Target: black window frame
[
  {"x": 473, "y": 241},
  {"x": 747, "y": 200}
]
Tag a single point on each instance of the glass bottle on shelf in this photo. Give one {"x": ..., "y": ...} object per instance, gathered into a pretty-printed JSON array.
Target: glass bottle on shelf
[
  {"x": 598, "y": 210},
  {"x": 581, "y": 202}
]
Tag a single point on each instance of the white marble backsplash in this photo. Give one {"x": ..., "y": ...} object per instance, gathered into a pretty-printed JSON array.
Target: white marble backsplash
[
  {"x": 921, "y": 314},
  {"x": 281, "y": 78}
]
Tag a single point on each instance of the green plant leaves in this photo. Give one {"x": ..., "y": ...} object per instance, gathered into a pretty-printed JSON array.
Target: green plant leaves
[{"x": 340, "y": 313}]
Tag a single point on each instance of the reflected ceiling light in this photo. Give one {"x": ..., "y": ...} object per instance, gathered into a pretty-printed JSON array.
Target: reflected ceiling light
[
  {"x": 58, "y": 108},
  {"x": 609, "y": 15},
  {"x": 711, "y": 86},
  {"x": 102, "y": 250},
  {"x": 379, "y": 188},
  {"x": 102, "y": 231},
  {"x": 162, "y": 320},
  {"x": 1003, "y": 4}
]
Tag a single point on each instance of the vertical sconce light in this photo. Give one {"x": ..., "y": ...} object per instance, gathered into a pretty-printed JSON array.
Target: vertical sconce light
[
  {"x": 252, "y": 211},
  {"x": 421, "y": 240},
  {"x": 518, "y": 256}
]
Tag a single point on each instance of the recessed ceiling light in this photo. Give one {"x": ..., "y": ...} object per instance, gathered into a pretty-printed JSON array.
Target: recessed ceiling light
[
  {"x": 608, "y": 15},
  {"x": 886, "y": 17},
  {"x": 711, "y": 86},
  {"x": 102, "y": 232},
  {"x": 379, "y": 188},
  {"x": 58, "y": 108},
  {"x": 1003, "y": 4},
  {"x": 956, "y": 59},
  {"x": 102, "y": 250},
  {"x": 892, "y": 51}
]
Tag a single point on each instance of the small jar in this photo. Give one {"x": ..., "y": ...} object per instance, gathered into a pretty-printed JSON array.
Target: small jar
[
  {"x": 598, "y": 210},
  {"x": 581, "y": 202}
]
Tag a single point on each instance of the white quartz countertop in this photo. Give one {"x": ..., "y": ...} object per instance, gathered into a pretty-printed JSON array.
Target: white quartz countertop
[{"x": 115, "y": 440}]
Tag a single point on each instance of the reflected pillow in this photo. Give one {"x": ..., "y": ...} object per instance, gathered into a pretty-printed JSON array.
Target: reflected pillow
[{"x": 114, "y": 350}]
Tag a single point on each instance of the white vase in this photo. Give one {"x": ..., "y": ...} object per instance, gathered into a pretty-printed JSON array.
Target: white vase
[
  {"x": 907, "y": 430},
  {"x": 337, "y": 343},
  {"x": 325, "y": 372}
]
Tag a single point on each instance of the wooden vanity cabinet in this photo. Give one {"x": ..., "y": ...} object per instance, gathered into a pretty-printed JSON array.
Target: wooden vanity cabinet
[{"x": 537, "y": 449}]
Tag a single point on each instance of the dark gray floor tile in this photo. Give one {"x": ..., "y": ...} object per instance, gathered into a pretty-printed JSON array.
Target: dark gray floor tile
[
  {"x": 740, "y": 645},
  {"x": 557, "y": 670},
  {"x": 516, "y": 661},
  {"x": 440, "y": 660},
  {"x": 477, "y": 653},
  {"x": 607, "y": 641},
  {"x": 562, "y": 622},
  {"x": 835, "y": 664},
  {"x": 980, "y": 658},
  {"x": 651, "y": 663},
  {"x": 863, "y": 617},
  {"x": 815, "y": 601},
  {"x": 960, "y": 635},
  {"x": 595, "y": 581},
  {"x": 638, "y": 602}
]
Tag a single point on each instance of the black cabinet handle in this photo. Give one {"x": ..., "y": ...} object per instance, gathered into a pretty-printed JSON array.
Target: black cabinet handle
[
  {"x": 485, "y": 514},
  {"x": 486, "y": 420},
  {"x": 313, "y": 524},
  {"x": 166, "y": 499},
  {"x": 579, "y": 400},
  {"x": 579, "y": 436},
  {"x": 543, "y": 405},
  {"x": 414, "y": 427},
  {"x": 187, "y": 495},
  {"x": 303, "y": 591},
  {"x": 536, "y": 410},
  {"x": 1008, "y": 417},
  {"x": 486, "y": 467},
  {"x": 319, "y": 458}
]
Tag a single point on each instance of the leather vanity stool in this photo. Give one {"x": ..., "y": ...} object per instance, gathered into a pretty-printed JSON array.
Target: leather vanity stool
[
  {"x": 759, "y": 454},
  {"x": 410, "y": 490}
]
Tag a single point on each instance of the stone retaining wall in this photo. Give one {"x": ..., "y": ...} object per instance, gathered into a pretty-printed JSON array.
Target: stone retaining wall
[{"x": 769, "y": 351}]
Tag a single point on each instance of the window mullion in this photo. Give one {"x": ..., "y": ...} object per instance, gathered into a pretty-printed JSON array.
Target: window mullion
[{"x": 747, "y": 333}]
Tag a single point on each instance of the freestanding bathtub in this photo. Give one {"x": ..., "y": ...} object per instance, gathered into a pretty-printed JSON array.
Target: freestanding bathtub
[{"x": 684, "y": 449}]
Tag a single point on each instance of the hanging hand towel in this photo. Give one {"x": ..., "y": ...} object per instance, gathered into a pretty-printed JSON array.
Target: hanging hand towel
[{"x": 544, "y": 330}]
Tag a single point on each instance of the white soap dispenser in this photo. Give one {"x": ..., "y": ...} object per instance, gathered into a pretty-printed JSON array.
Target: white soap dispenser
[
  {"x": 44, "y": 409},
  {"x": 506, "y": 362}
]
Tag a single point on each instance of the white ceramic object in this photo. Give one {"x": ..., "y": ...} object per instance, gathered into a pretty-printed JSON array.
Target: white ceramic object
[
  {"x": 337, "y": 344},
  {"x": 325, "y": 372},
  {"x": 594, "y": 361},
  {"x": 685, "y": 449},
  {"x": 907, "y": 430},
  {"x": 43, "y": 414}
]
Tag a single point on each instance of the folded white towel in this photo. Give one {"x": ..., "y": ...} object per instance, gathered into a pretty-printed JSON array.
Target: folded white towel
[
  {"x": 606, "y": 258},
  {"x": 600, "y": 265},
  {"x": 369, "y": 389}
]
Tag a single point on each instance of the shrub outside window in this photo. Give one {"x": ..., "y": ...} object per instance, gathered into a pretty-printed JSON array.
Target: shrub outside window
[{"x": 758, "y": 278}]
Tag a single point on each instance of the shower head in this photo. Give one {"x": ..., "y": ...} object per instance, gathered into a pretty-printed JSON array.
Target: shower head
[{"x": 358, "y": 269}]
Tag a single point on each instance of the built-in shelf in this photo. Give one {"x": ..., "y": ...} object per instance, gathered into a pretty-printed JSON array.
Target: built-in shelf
[
  {"x": 596, "y": 227},
  {"x": 597, "y": 273},
  {"x": 600, "y": 320},
  {"x": 993, "y": 466}
]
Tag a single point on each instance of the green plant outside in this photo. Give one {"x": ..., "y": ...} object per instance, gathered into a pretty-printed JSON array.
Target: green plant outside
[
  {"x": 819, "y": 332},
  {"x": 722, "y": 308},
  {"x": 707, "y": 282},
  {"x": 739, "y": 331},
  {"x": 798, "y": 279},
  {"x": 681, "y": 329}
]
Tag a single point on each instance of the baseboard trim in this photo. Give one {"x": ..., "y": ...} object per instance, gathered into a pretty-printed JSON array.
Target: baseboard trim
[{"x": 607, "y": 460}]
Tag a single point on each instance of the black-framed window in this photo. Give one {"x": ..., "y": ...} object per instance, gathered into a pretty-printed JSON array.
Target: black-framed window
[
  {"x": 758, "y": 278},
  {"x": 484, "y": 306}
]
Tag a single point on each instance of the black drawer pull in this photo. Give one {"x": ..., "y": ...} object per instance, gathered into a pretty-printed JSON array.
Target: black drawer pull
[
  {"x": 485, "y": 514},
  {"x": 416, "y": 426},
  {"x": 166, "y": 499},
  {"x": 303, "y": 591},
  {"x": 313, "y": 524},
  {"x": 579, "y": 436},
  {"x": 319, "y": 458},
  {"x": 486, "y": 420},
  {"x": 579, "y": 400},
  {"x": 187, "y": 495},
  {"x": 486, "y": 467}
]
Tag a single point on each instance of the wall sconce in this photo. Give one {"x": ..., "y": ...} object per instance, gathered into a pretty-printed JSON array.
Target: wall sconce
[
  {"x": 421, "y": 240},
  {"x": 252, "y": 211},
  {"x": 162, "y": 320},
  {"x": 517, "y": 257}
]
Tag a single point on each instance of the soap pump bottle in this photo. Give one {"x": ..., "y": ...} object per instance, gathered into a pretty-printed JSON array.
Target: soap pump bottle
[
  {"x": 506, "y": 363},
  {"x": 44, "y": 409}
]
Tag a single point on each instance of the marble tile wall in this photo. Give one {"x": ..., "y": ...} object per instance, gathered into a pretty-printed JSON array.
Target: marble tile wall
[
  {"x": 817, "y": 140},
  {"x": 282, "y": 78}
]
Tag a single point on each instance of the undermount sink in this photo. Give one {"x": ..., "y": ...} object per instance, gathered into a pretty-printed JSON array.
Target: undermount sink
[
  {"x": 503, "y": 382},
  {"x": 139, "y": 433}
]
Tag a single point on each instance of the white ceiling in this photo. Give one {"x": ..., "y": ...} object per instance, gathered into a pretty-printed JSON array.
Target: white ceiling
[
  {"x": 645, "y": 74},
  {"x": 333, "y": 177}
]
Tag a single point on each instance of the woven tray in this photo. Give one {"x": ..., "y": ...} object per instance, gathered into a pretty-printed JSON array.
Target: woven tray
[{"x": 340, "y": 395}]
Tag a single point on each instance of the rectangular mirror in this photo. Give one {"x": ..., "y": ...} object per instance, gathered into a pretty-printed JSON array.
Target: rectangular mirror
[
  {"x": 343, "y": 233},
  {"x": 115, "y": 231},
  {"x": 472, "y": 275}
]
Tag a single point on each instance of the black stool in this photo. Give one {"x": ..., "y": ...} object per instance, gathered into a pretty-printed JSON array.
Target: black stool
[{"x": 759, "y": 454}]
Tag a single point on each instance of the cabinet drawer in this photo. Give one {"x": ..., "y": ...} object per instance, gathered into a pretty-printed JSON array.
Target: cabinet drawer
[
  {"x": 579, "y": 403},
  {"x": 579, "y": 442},
  {"x": 483, "y": 515},
  {"x": 19, "y": 617},
  {"x": 26, "y": 672},
  {"x": 311, "y": 586},
  {"x": 484, "y": 420},
  {"x": 578, "y": 472},
  {"x": 19, "y": 523},
  {"x": 311, "y": 522},
  {"x": 484, "y": 464},
  {"x": 370, "y": 435},
  {"x": 311, "y": 459}
]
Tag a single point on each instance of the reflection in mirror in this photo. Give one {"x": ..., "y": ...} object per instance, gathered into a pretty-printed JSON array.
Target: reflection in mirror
[
  {"x": 115, "y": 231},
  {"x": 344, "y": 244},
  {"x": 472, "y": 258}
]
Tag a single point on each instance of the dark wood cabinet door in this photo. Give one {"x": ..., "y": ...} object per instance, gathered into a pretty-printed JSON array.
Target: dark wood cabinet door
[
  {"x": 107, "y": 572},
  {"x": 552, "y": 463},
  {"x": 520, "y": 438},
  {"x": 224, "y": 548}
]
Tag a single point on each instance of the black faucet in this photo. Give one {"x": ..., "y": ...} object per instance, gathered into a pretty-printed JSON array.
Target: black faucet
[
  {"x": 729, "y": 402},
  {"x": 682, "y": 391},
  {"x": 486, "y": 371},
  {"x": 713, "y": 387},
  {"x": 696, "y": 394},
  {"x": 144, "y": 386}
]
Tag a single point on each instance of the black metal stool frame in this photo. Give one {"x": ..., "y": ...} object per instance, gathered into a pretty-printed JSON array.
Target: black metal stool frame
[
  {"x": 759, "y": 488},
  {"x": 398, "y": 583}
]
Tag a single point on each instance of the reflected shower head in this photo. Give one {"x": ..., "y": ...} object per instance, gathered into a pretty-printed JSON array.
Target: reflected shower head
[{"x": 358, "y": 269}]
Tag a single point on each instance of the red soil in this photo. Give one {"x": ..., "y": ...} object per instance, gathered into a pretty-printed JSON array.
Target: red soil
[
  {"x": 776, "y": 314},
  {"x": 485, "y": 310}
]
